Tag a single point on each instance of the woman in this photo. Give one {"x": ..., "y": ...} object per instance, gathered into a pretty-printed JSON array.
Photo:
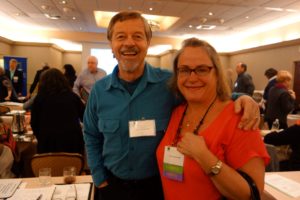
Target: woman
[
  {"x": 70, "y": 74},
  {"x": 202, "y": 149},
  {"x": 56, "y": 114},
  {"x": 281, "y": 100}
]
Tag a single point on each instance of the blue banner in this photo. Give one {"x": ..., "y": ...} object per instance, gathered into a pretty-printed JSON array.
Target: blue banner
[{"x": 22, "y": 66}]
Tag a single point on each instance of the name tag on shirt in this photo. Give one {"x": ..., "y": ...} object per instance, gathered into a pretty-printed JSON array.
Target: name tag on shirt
[
  {"x": 142, "y": 128},
  {"x": 173, "y": 163}
]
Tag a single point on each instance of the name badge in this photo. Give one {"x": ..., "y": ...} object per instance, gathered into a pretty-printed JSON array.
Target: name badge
[
  {"x": 173, "y": 163},
  {"x": 142, "y": 128}
]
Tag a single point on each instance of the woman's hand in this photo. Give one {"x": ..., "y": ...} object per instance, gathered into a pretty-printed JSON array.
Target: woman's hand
[{"x": 192, "y": 145}]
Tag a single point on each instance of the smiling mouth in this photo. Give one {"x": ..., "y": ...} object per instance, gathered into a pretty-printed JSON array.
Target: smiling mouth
[{"x": 130, "y": 53}]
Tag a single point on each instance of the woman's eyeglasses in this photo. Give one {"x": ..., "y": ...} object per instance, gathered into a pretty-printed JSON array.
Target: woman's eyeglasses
[{"x": 201, "y": 70}]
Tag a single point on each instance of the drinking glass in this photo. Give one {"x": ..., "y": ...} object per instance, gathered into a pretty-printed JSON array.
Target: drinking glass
[
  {"x": 45, "y": 176},
  {"x": 69, "y": 174}
]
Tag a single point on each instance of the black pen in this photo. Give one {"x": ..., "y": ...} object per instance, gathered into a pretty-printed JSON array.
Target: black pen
[{"x": 39, "y": 197}]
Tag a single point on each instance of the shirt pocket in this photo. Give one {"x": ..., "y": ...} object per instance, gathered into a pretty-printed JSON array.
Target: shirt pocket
[{"x": 112, "y": 137}]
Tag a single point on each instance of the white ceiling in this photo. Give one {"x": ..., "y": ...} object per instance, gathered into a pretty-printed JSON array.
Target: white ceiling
[{"x": 238, "y": 16}]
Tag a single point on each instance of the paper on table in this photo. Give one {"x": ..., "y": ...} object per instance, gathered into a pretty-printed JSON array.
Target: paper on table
[
  {"x": 33, "y": 193},
  {"x": 285, "y": 185},
  {"x": 82, "y": 191}
]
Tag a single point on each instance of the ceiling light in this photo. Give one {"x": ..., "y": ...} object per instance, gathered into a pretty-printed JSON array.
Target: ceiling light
[
  {"x": 221, "y": 21},
  {"x": 247, "y": 17},
  {"x": 210, "y": 14},
  {"x": 291, "y": 10},
  {"x": 190, "y": 26},
  {"x": 52, "y": 16},
  {"x": 63, "y": 2},
  {"x": 164, "y": 22},
  {"x": 273, "y": 9},
  {"x": 150, "y": 9},
  {"x": 74, "y": 18},
  {"x": 206, "y": 27}
]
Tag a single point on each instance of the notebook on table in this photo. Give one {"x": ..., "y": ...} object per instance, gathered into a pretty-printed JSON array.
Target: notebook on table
[{"x": 8, "y": 187}]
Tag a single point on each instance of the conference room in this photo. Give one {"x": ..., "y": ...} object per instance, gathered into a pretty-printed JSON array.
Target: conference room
[{"x": 262, "y": 34}]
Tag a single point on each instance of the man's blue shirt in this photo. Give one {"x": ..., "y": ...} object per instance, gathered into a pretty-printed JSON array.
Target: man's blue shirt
[{"x": 106, "y": 125}]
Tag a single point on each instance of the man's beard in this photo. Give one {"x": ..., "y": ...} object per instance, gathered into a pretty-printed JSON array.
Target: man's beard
[{"x": 128, "y": 65}]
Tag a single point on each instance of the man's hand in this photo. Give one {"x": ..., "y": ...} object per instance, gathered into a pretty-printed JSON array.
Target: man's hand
[
  {"x": 104, "y": 184},
  {"x": 251, "y": 115}
]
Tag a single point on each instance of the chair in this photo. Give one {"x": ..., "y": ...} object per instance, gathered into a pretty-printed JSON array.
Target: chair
[{"x": 56, "y": 161}]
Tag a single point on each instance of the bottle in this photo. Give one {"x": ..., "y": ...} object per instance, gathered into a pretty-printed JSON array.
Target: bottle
[{"x": 275, "y": 125}]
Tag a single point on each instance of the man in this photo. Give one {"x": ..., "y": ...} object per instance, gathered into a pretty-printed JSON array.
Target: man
[
  {"x": 127, "y": 114},
  {"x": 87, "y": 78},
  {"x": 271, "y": 75},
  {"x": 243, "y": 83},
  {"x": 15, "y": 75}
]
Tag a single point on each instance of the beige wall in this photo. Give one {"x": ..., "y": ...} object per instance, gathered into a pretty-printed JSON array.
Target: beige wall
[
  {"x": 153, "y": 60},
  {"x": 281, "y": 57},
  {"x": 73, "y": 58},
  {"x": 5, "y": 49}
]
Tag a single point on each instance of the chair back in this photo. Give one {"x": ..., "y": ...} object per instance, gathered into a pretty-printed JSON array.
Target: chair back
[{"x": 56, "y": 161}]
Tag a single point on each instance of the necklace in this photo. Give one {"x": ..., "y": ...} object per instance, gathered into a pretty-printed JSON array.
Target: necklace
[{"x": 188, "y": 124}]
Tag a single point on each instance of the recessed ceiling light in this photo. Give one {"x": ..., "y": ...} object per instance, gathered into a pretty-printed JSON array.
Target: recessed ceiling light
[
  {"x": 52, "y": 16},
  {"x": 17, "y": 14},
  {"x": 150, "y": 9},
  {"x": 73, "y": 18},
  {"x": 273, "y": 9},
  {"x": 247, "y": 17},
  {"x": 190, "y": 26},
  {"x": 210, "y": 14},
  {"x": 63, "y": 2}
]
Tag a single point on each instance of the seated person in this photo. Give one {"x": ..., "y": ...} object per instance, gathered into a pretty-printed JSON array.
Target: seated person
[
  {"x": 6, "y": 162},
  {"x": 289, "y": 136}
]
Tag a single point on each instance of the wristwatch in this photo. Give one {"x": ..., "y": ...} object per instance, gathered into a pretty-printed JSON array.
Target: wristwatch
[{"x": 215, "y": 170}]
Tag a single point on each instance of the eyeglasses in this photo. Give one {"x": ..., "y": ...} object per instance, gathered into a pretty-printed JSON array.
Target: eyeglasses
[{"x": 201, "y": 70}]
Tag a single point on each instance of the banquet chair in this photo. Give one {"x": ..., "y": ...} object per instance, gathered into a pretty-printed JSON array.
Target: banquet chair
[{"x": 57, "y": 161}]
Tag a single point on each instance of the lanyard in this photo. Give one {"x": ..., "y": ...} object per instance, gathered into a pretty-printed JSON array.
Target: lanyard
[{"x": 197, "y": 127}]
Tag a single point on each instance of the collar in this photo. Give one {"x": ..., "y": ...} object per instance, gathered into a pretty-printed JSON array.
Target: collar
[
  {"x": 150, "y": 75},
  {"x": 272, "y": 78}
]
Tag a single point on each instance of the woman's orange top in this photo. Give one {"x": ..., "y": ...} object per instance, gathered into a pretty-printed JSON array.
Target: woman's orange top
[{"x": 233, "y": 146}]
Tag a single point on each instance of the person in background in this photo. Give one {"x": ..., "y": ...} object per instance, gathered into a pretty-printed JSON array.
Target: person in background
[
  {"x": 5, "y": 87},
  {"x": 281, "y": 100},
  {"x": 289, "y": 136},
  {"x": 56, "y": 114},
  {"x": 36, "y": 79},
  {"x": 271, "y": 75},
  {"x": 203, "y": 132},
  {"x": 243, "y": 83},
  {"x": 87, "y": 78},
  {"x": 70, "y": 74},
  {"x": 15, "y": 75},
  {"x": 127, "y": 113}
]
